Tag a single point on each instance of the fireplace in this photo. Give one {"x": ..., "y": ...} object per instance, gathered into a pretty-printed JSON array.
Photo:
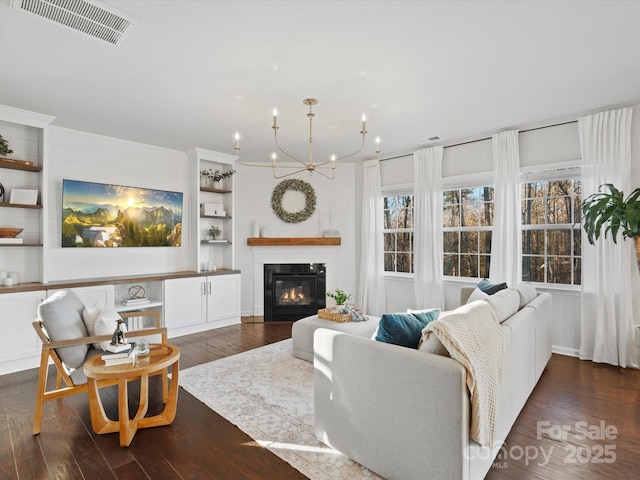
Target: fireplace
[{"x": 293, "y": 290}]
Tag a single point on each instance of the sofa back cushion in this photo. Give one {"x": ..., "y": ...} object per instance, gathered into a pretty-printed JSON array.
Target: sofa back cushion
[
  {"x": 61, "y": 315},
  {"x": 505, "y": 302},
  {"x": 527, "y": 293},
  {"x": 404, "y": 329}
]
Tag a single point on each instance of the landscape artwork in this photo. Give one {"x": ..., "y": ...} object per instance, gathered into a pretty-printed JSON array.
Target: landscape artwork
[{"x": 101, "y": 215}]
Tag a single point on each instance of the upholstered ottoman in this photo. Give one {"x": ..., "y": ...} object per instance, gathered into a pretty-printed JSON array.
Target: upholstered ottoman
[{"x": 302, "y": 332}]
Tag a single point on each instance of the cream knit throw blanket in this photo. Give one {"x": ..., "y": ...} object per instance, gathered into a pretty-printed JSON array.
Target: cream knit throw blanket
[{"x": 473, "y": 337}]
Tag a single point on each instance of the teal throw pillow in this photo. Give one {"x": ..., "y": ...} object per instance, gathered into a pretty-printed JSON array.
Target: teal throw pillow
[
  {"x": 490, "y": 288},
  {"x": 404, "y": 329}
]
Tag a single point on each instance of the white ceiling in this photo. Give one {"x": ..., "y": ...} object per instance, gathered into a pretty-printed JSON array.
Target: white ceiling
[{"x": 192, "y": 73}]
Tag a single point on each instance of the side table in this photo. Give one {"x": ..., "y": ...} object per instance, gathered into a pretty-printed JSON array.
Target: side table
[{"x": 160, "y": 358}]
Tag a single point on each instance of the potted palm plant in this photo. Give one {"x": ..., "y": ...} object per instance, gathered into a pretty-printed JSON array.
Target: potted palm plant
[{"x": 610, "y": 212}]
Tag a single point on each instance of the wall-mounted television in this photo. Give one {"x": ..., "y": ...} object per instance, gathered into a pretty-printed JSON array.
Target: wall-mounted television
[{"x": 103, "y": 215}]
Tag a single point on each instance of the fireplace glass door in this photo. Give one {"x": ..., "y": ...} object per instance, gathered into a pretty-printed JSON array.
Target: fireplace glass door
[{"x": 293, "y": 291}]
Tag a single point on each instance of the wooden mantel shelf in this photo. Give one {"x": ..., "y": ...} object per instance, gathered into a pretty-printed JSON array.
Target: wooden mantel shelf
[{"x": 293, "y": 241}]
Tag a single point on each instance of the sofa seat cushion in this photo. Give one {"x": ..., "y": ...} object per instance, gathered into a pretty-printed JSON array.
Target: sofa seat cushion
[
  {"x": 404, "y": 329},
  {"x": 61, "y": 315},
  {"x": 77, "y": 375}
]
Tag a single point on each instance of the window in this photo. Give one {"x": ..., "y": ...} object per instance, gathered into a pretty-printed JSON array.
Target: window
[
  {"x": 551, "y": 245},
  {"x": 467, "y": 225},
  {"x": 398, "y": 233}
]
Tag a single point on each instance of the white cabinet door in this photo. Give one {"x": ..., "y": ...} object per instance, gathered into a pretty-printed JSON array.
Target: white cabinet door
[
  {"x": 18, "y": 339},
  {"x": 185, "y": 301},
  {"x": 90, "y": 296},
  {"x": 224, "y": 297}
]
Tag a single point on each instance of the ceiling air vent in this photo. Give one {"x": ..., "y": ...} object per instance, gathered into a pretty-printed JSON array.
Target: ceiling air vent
[{"x": 89, "y": 17}]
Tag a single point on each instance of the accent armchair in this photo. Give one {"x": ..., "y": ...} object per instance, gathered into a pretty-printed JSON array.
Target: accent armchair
[{"x": 66, "y": 341}]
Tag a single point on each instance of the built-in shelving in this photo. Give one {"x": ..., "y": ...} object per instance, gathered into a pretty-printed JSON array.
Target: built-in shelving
[
  {"x": 219, "y": 252},
  {"x": 26, "y": 133}
]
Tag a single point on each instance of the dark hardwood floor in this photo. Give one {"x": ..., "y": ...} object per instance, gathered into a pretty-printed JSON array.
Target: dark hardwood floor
[{"x": 202, "y": 445}]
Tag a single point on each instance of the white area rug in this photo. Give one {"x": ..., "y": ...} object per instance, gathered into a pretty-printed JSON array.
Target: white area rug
[{"x": 268, "y": 394}]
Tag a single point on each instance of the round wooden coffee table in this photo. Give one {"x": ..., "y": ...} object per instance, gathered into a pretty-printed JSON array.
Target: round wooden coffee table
[{"x": 158, "y": 361}]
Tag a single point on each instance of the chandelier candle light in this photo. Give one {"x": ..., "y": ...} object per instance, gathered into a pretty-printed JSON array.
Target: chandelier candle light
[{"x": 308, "y": 165}]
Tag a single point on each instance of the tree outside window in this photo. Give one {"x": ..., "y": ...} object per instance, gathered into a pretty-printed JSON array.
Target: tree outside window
[
  {"x": 398, "y": 233},
  {"x": 551, "y": 236},
  {"x": 467, "y": 226}
]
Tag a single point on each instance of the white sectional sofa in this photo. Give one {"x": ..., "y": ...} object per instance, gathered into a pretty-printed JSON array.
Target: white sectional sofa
[{"x": 404, "y": 413}]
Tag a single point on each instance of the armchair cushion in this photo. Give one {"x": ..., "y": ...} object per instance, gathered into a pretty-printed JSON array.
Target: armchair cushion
[{"x": 61, "y": 315}]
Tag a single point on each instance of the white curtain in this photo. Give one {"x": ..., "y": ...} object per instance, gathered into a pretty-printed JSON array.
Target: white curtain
[
  {"x": 371, "y": 295},
  {"x": 609, "y": 271},
  {"x": 506, "y": 240},
  {"x": 427, "y": 228}
]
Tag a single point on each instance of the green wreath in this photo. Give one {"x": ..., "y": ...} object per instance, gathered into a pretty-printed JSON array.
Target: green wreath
[{"x": 300, "y": 186}]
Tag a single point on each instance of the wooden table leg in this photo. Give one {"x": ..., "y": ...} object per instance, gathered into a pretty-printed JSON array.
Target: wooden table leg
[
  {"x": 99, "y": 421},
  {"x": 168, "y": 414},
  {"x": 129, "y": 427}
]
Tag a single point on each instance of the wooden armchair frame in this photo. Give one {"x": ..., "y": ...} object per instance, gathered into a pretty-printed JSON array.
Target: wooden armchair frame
[{"x": 69, "y": 388}]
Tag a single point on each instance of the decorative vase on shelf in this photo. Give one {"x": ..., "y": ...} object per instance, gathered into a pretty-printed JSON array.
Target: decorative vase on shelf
[{"x": 255, "y": 229}]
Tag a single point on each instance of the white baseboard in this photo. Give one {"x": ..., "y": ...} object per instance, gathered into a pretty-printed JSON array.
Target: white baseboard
[{"x": 569, "y": 352}]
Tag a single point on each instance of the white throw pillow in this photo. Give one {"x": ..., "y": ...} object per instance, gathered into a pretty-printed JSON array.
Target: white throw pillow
[
  {"x": 505, "y": 303},
  {"x": 527, "y": 293},
  {"x": 105, "y": 324},
  {"x": 90, "y": 315},
  {"x": 477, "y": 294}
]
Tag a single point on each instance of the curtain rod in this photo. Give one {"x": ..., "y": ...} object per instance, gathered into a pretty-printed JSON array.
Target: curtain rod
[{"x": 487, "y": 138}]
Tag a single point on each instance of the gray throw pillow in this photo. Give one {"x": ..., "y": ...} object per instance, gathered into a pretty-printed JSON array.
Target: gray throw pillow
[{"x": 61, "y": 315}]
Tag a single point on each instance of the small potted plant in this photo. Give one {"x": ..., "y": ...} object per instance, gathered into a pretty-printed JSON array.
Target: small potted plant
[
  {"x": 339, "y": 296},
  {"x": 4, "y": 147},
  {"x": 214, "y": 177},
  {"x": 214, "y": 232}
]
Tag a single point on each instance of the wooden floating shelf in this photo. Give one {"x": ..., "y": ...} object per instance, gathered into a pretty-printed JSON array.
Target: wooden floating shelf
[
  {"x": 20, "y": 245},
  {"x": 214, "y": 190},
  {"x": 19, "y": 165},
  {"x": 222, "y": 217},
  {"x": 19, "y": 205},
  {"x": 293, "y": 241}
]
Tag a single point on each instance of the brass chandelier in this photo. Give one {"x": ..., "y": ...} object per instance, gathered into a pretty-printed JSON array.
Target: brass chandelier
[{"x": 326, "y": 168}]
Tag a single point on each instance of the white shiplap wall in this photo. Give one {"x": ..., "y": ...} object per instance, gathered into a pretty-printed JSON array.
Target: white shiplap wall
[
  {"x": 334, "y": 209},
  {"x": 84, "y": 156}
]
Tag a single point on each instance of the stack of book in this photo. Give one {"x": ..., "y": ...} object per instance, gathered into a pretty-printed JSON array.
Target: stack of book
[
  {"x": 135, "y": 301},
  {"x": 120, "y": 355}
]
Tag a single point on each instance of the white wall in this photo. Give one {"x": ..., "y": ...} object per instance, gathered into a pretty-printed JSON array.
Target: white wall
[
  {"x": 83, "y": 156},
  {"x": 335, "y": 209}
]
